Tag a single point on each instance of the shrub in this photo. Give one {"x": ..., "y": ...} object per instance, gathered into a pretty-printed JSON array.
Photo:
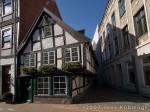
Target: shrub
[
  {"x": 27, "y": 70},
  {"x": 7, "y": 97},
  {"x": 72, "y": 65},
  {"x": 47, "y": 68}
]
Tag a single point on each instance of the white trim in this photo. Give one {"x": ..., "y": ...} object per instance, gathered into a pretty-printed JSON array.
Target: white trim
[
  {"x": 11, "y": 41},
  {"x": 59, "y": 85},
  {"x": 43, "y": 88}
]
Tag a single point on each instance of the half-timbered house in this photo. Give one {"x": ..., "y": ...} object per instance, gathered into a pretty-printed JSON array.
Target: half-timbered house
[{"x": 56, "y": 62}]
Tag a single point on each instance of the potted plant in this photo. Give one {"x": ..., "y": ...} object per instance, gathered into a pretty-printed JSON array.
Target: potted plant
[
  {"x": 47, "y": 68},
  {"x": 8, "y": 97},
  {"x": 73, "y": 67},
  {"x": 28, "y": 70}
]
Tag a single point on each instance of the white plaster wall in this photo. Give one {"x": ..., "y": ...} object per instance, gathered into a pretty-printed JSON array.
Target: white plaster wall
[
  {"x": 59, "y": 41},
  {"x": 70, "y": 39},
  {"x": 36, "y": 46},
  {"x": 59, "y": 53},
  {"x": 38, "y": 56},
  {"x": 47, "y": 43},
  {"x": 59, "y": 64},
  {"x": 58, "y": 30},
  {"x": 6, "y": 52}
]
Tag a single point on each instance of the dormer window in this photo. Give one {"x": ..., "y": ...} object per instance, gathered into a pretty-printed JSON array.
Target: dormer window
[
  {"x": 7, "y": 7},
  {"x": 6, "y": 38}
]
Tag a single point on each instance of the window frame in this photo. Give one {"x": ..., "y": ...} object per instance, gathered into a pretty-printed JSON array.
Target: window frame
[
  {"x": 59, "y": 86},
  {"x": 44, "y": 31},
  {"x": 49, "y": 57},
  {"x": 144, "y": 30},
  {"x": 113, "y": 20},
  {"x": 2, "y": 38},
  {"x": 71, "y": 57},
  {"x": 125, "y": 32},
  {"x": 122, "y": 7},
  {"x": 44, "y": 88},
  {"x": 30, "y": 60},
  {"x": 3, "y": 5}
]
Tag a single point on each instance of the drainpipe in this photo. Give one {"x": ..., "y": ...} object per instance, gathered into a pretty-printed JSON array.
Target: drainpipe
[{"x": 15, "y": 54}]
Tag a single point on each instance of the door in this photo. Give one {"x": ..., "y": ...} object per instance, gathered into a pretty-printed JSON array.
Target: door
[
  {"x": 119, "y": 75},
  {"x": 6, "y": 79},
  {"x": 26, "y": 89}
]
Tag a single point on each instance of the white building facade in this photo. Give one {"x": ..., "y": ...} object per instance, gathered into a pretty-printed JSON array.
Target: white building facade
[{"x": 124, "y": 36}]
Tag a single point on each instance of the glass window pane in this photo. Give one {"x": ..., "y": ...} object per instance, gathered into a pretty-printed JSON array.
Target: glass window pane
[
  {"x": 40, "y": 85},
  {"x": 7, "y": 39},
  {"x": 146, "y": 60},
  {"x": 7, "y": 9},
  {"x": 6, "y": 32},
  {"x": 6, "y": 1},
  {"x": 62, "y": 79},
  {"x": 45, "y": 91},
  {"x": 56, "y": 85},
  {"x": 45, "y": 85},
  {"x": 74, "y": 58},
  {"x": 62, "y": 85},
  {"x": 56, "y": 79},
  {"x": 56, "y": 91},
  {"x": 40, "y": 91},
  {"x": 62, "y": 91}
]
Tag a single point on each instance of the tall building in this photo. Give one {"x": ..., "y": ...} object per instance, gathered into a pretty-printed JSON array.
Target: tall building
[
  {"x": 124, "y": 37},
  {"x": 16, "y": 19}
]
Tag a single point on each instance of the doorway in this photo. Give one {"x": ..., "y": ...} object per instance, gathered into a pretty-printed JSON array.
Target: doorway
[{"x": 6, "y": 79}]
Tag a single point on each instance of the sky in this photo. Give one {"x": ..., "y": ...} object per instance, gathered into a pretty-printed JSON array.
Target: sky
[{"x": 82, "y": 14}]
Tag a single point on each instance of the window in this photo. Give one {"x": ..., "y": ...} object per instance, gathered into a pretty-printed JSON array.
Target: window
[
  {"x": 72, "y": 54},
  {"x": 43, "y": 86},
  {"x": 60, "y": 86},
  {"x": 104, "y": 37},
  {"x": 140, "y": 23},
  {"x": 116, "y": 45},
  {"x": 48, "y": 30},
  {"x": 110, "y": 51},
  {"x": 121, "y": 7},
  {"x": 108, "y": 29},
  {"x": 7, "y": 7},
  {"x": 49, "y": 57},
  {"x": 131, "y": 73},
  {"x": 113, "y": 19},
  {"x": 146, "y": 69},
  {"x": 126, "y": 36},
  {"x": 30, "y": 60},
  {"x": 6, "y": 38}
]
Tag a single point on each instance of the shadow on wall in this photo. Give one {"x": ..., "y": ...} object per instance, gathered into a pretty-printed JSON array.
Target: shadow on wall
[{"x": 117, "y": 46}]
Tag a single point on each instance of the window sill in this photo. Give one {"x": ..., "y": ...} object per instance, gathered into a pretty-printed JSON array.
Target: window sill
[
  {"x": 6, "y": 48},
  {"x": 122, "y": 14},
  {"x": 53, "y": 96},
  {"x": 142, "y": 36},
  {"x": 7, "y": 14}
]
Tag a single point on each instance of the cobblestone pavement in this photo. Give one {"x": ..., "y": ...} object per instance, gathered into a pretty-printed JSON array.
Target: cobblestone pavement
[{"x": 94, "y": 100}]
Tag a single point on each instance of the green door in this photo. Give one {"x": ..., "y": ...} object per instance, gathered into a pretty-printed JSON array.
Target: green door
[{"x": 26, "y": 89}]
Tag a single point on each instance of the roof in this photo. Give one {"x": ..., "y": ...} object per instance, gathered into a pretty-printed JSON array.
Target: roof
[{"x": 80, "y": 37}]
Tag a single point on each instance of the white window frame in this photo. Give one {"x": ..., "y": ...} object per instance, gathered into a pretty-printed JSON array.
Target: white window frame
[
  {"x": 44, "y": 29},
  {"x": 71, "y": 60},
  {"x": 43, "y": 88},
  {"x": 9, "y": 12},
  {"x": 30, "y": 60},
  {"x": 59, "y": 85},
  {"x": 49, "y": 58},
  {"x": 3, "y": 29}
]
